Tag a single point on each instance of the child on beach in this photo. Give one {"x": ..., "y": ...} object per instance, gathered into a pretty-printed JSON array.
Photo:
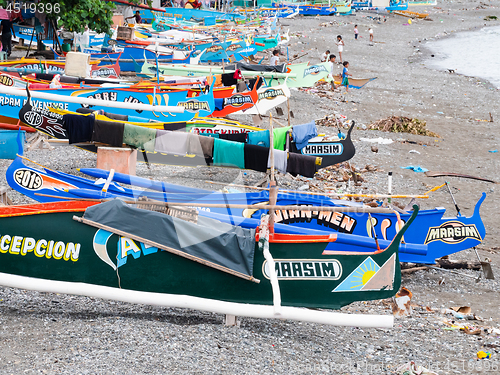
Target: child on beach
[
  {"x": 325, "y": 56},
  {"x": 370, "y": 31},
  {"x": 340, "y": 45},
  {"x": 356, "y": 32},
  {"x": 345, "y": 75},
  {"x": 275, "y": 58},
  {"x": 333, "y": 73}
]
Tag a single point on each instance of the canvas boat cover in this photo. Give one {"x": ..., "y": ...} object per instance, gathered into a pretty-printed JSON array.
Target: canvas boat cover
[
  {"x": 258, "y": 68},
  {"x": 224, "y": 244}
]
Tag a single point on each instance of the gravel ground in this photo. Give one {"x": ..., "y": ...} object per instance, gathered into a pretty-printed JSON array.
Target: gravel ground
[{"x": 49, "y": 333}]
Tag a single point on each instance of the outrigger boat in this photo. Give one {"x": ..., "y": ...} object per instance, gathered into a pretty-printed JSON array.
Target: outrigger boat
[
  {"x": 441, "y": 235},
  {"x": 106, "y": 250}
]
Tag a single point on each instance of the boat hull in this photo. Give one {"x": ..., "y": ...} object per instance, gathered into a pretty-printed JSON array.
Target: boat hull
[{"x": 46, "y": 243}]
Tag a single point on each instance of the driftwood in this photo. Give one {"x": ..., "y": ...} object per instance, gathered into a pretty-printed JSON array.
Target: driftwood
[
  {"x": 441, "y": 174},
  {"x": 462, "y": 264},
  {"x": 414, "y": 269}
]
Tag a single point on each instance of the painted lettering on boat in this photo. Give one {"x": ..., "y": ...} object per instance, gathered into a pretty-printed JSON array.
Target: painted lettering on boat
[
  {"x": 107, "y": 95},
  {"x": 39, "y": 104},
  {"x": 304, "y": 269},
  {"x": 42, "y": 248},
  {"x": 49, "y": 68},
  {"x": 104, "y": 72},
  {"x": 194, "y": 105},
  {"x": 271, "y": 94},
  {"x": 238, "y": 100},
  {"x": 233, "y": 47},
  {"x": 214, "y": 48},
  {"x": 314, "y": 70},
  {"x": 335, "y": 220},
  {"x": 6, "y": 80},
  {"x": 127, "y": 246},
  {"x": 323, "y": 149},
  {"x": 218, "y": 130},
  {"x": 452, "y": 232},
  {"x": 28, "y": 179},
  {"x": 9, "y": 101}
]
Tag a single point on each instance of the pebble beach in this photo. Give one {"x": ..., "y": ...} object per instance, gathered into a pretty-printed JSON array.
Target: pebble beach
[{"x": 44, "y": 333}]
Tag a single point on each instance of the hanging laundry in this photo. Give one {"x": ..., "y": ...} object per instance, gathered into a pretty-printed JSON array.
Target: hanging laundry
[
  {"x": 194, "y": 144},
  {"x": 237, "y": 74},
  {"x": 171, "y": 142},
  {"x": 234, "y": 137},
  {"x": 303, "y": 133},
  {"x": 230, "y": 154},
  {"x": 218, "y": 104},
  {"x": 256, "y": 157},
  {"x": 259, "y": 138},
  {"x": 139, "y": 137},
  {"x": 251, "y": 83},
  {"x": 280, "y": 160},
  {"x": 228, "y": 79},
  {"x": 79, "y": 128},
  {"x": 207, "y": 145},
  {"x": 173, "y": 126},
  {"x": 279, "y": 135},
  {"x": 108, "y": 132},
  {"x": 304, "y": 165},
  {"x": 114, "y": 116}
]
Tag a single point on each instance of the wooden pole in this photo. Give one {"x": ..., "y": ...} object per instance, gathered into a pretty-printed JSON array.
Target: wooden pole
[
  {"x": 273, "y": 194},
  {"x": 166, "y": 248},
  {"x": 375, "y": 210}
]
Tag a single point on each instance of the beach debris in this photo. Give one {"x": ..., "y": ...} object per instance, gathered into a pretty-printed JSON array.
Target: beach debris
[
  {"x": 493, "y": 151},
  {"x": 401, "y": 306},
  {"x": 374, "y": 149},
  {"x": 458, "y": 264},
  {"x": 416, "y": 168},
  {"x": 402, "y": 124},
  {"x": 483, "y": 355},
  {"x": 411, "y": 368},
  {"x": 380, "y": 140},
  {"x": 442, "y": 174},
  {"x": 490, "y": 18}
]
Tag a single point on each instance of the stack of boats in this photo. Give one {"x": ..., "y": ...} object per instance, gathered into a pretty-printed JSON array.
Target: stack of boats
[{"x": 263, "y": 253}]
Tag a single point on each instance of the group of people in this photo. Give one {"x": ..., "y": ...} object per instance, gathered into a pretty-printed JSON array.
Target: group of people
[{"x": 332, "y": 59}]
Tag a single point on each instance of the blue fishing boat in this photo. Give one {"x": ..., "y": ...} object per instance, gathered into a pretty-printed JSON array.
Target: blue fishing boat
[{"x": 442, "y": 235}]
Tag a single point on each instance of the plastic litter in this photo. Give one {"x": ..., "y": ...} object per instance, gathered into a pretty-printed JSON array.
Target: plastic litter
[
  {"x": 380, "y": 141},
  {"x": 483, "y": 355},
  {"x": 416, "y": 168}
]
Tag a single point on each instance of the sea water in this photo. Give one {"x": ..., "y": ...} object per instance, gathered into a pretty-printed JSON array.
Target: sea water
[{"x": 471, "y": 53}]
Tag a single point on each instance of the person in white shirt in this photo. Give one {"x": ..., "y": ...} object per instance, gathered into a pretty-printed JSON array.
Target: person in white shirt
[
  {"x": 340, "y": 45},
  {"x": 332, "y": 71},
  {"x": 325, "y": 56},
  {"x": 275, "y": 58},
  {"x": 370, "y": 30}
]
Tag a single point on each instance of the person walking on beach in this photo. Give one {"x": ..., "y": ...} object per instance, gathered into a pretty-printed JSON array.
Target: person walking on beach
[
  {"x": 325, "y": 56},
  {"x": 7, "y": 31},
  {"x": 332, "y": 64},
  {"x": 356, "y": 32},
  {"x": 345, "y": 76},
  {"x": 370, "y": 31},
  {"x": 340, "y": 45}
]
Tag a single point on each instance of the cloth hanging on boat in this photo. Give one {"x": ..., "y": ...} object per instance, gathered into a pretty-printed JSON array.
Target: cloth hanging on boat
[
  {"x": 218, "y": 104},
  {"x": 108, "y": 132},
  {"x": 304, "y": 165},
  {"x": 229, "y": 154},
  {"x": 251, "y": 83},
  {"x": 173, "y": 126},
  {"x": 280, "y": 160},
  {"x": 139, "y": 137},
  {"x": 211, "y": 135},
  {"x": 228, "y": 79},
  {"x": 303, "y": 133},
  {"x": 171, "y": 142},
  {"x": 256, "y": 157},
  {"x": 229, "y": 246},
  {"x": 79, "y": 128},
  {"x": 241, "y": 86},
  {"x": 234, "y": 137},
  {"x": 207, "y": 145},
  {"x": 237, "y": 74},
  {"x": 259, "y": 138},
  {"x": 279, "y": 135},
  {"x": 194, "y": 144}
]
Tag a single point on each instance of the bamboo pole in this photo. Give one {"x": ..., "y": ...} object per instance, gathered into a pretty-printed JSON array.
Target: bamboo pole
[
  {"x": 327, "y": 194},
  {"x": 373, "y": 210},
  {"x": 273, "y": 194},
  {"x": 166, "y": 248}
]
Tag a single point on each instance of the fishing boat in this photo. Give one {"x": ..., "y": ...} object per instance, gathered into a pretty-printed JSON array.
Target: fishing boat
[
  {"x": 407, "y": 13},
  {"x": 110, "y": 96},
  {"x": 442, "y": 235},
  {"x": 355, "y": 83},
  {"x": 106, "y": 250}
]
